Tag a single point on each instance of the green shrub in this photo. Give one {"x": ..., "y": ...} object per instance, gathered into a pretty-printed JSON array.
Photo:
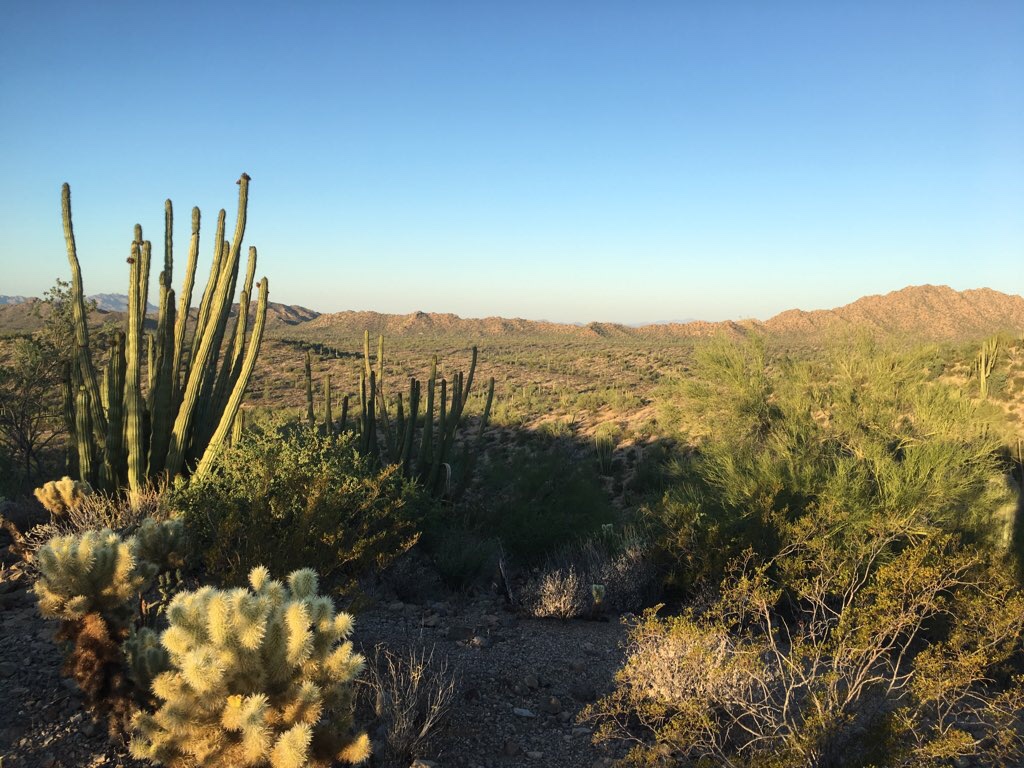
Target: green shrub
[
  {"x": 877, "y": 649},
  {"x": 293, "y": 497},
  {"x": 541, "y": 496},
  {"x": 863, "y": 432}
]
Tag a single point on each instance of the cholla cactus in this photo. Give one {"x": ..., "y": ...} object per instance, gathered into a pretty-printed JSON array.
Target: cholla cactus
[
  {"x": 58, "y": 496},
  {"x": 160, "y": 543},
  {"x": 92, "y": 572},
  {"x": 255, "y": 676}
]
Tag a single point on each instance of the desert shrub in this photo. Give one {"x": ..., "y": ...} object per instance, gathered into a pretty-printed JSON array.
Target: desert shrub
[
  {"x": 540, "y": 496},
  {"x": 410, "y": 696},
  {"x": 607, "y": 572},
  {"x": 253, "y": 676},
  {"x": 862, "y": 430},
  {"x": 287, "y": 495},
  {"x": 96, "y": 511},
  {"x": 888, "y": 648}
]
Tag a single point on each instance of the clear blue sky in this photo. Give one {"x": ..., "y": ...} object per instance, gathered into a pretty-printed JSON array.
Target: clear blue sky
[{"x": 570, "y": 161}]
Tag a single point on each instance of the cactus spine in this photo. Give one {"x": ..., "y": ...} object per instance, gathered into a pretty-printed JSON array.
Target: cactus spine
[{"x": 192, "y": 391}]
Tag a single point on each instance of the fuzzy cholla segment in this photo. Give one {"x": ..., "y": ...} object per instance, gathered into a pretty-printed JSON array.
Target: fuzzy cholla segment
[
  {"x": 256, "y": 675},
  {"x": 90, "y": 572},
  {"x": 58, "y": 496}
]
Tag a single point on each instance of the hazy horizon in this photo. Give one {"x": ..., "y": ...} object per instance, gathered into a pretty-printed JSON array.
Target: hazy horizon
[{"x": 572, "y": 163}]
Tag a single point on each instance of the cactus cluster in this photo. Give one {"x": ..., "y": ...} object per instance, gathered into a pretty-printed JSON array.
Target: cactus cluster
[
  {"x": 252, "y": 676},
  {"x": 92, "y": 582},
  {"x": 393, "y": 443},
  {"x": 160, "y": 420},
  {"x": 60, "y": 496},
  {"x": 92, "y": 572}
]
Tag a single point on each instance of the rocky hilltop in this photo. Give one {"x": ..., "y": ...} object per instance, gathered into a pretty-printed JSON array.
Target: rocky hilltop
[{"x": 921, "y": 313}]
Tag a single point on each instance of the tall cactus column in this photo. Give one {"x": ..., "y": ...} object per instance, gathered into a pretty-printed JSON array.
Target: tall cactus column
[{"x": 192, "y": 391}]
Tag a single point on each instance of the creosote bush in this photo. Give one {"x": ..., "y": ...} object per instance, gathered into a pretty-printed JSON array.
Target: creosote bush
[
  {"x": 288, "y": 495},
  {"x": 253, "y": 676}
]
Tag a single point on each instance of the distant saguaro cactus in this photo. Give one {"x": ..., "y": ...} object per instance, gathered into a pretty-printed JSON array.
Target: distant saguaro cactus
[
  {"x": 182, "y": 410},
  {"x": 985, "y": 362}
]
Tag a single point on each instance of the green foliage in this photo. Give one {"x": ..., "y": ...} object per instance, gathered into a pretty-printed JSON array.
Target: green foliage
[
  {"x": 877, "y": 649},
  {"x": 863, "y": 432},
  {"x": 254, "y": 676},
  {"x": 542, "y": 495},
  {"x": 289, "y": 495},
  {"x": 30, "y": 420}
]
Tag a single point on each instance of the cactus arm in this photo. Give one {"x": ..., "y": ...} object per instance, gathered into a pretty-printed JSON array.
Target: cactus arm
[
  {"x": 83, "y": 428},
  {"x": 113, "y": 455},
  {"x": 181, "y": 322},
  {"x": 232, "y": 362},
  {"x": 161, "y": 408},
  {"x": 88, "y": 371},
  {"x": 328, "y": 416},
  {"x": 235, "y": 401},
  {"x": 133, "y": 383},
  {"x": 410, "y": 425},
  {"x": 439, "y": 451},
  {"x": 425, "y": 455},
  {"x": 310, "y": 417},
  {"x": 201, "y": 361},
  {"x": 208, "y": 292}
]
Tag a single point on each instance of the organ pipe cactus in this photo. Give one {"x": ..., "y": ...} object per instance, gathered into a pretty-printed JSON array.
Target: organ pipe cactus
[
  {"x": 153, "y": 424},
  {"x": 431, "y": 465}
]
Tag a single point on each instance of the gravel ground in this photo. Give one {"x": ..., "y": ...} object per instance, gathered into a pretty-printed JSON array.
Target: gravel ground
[{"x": 521, "y": 683}]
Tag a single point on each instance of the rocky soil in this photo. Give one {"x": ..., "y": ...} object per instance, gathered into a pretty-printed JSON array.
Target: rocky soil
[{"x": 520, "y": 683}]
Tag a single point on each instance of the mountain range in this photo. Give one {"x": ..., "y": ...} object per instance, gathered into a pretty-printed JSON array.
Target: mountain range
[{"x": 924, "y": 313}]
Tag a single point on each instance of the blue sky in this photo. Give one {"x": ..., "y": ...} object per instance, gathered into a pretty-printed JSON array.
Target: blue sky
[{"x": 569, "y": 161}]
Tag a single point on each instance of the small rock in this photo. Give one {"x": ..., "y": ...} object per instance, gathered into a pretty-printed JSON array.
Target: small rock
[
  {"x": 398, "y": 605},
  {"x": 553, "y": 705},
  {"x": 535, "y": 755},
  {"x": 419, "y": 762},
  {"x": 511, "y": 749},
  {"x": 480, "y": 642},
  {"x": 432, "y": 621},
  {"x": 531, "y": 681},
  {"x": 580, "y": 731},
  {"x": 520, "y": 712}
]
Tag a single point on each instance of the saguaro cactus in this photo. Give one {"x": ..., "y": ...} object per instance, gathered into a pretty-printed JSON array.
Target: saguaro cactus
[{"x": 181, "y": 410}]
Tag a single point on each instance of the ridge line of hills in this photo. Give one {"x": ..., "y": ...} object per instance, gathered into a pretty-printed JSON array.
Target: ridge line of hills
[{"x": 925, "y": 313}]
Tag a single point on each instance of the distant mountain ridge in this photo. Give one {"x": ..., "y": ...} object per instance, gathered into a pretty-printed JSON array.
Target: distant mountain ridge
[{"x": 921, "y": 313}]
